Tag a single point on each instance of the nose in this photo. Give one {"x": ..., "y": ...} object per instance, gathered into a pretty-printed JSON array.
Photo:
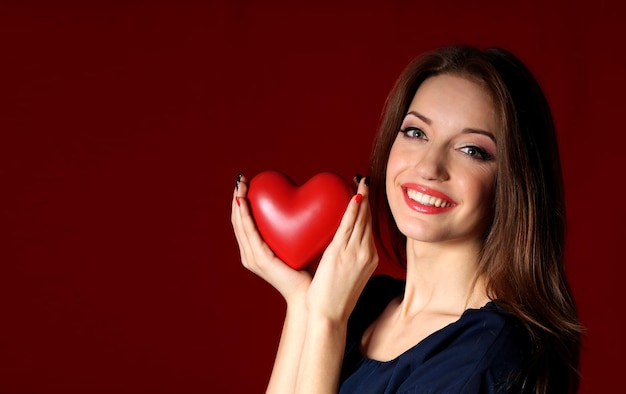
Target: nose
[{"x": 433, "y": 165}]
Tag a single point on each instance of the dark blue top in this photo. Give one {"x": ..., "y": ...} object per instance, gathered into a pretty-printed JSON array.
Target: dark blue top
[{"x": 479, "y": 353}]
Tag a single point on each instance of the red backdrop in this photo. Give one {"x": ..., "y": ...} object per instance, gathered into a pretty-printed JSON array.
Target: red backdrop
[{"x": 124, "y": 126}]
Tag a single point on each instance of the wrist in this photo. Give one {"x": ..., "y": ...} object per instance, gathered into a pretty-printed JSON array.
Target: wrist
[
  {"x": 296, "y": 311},
  {"x": 327, "y": 322}
]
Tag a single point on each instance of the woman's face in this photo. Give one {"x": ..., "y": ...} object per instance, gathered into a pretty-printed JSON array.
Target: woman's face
[{"x": 442, "y": 166}]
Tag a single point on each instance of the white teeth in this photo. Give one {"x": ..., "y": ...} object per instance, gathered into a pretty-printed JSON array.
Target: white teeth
[{"x": 425, "y": 199}]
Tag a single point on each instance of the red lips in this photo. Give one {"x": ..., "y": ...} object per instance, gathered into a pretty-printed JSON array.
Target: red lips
[{"x": 428, "y": 209}]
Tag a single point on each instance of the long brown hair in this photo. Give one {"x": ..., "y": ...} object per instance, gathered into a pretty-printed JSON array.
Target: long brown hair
[{"x": 522, "y": 256}]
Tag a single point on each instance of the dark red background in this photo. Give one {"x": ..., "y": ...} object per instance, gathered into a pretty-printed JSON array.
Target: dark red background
[{"x": 125, "y": 124}]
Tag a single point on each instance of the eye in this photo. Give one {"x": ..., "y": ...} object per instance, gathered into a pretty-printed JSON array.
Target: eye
[
  {"x": 413, "y": 132},
  {"x": 476, "y": 153}
]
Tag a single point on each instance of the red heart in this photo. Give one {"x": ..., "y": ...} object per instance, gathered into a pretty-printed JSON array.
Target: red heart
[{"x": 298, "y": 223}]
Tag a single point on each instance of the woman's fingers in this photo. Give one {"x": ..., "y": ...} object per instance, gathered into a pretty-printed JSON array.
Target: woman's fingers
[
  {"x": 237, "y": 220},
  {"x": 357, "y": 218},
  {"x": 363, "y": 221},
  {"x": 256, "y": 255},
  {"x": 252, "y": 245},
  {"x": 347, "y": 225},
  {"x": 353, "y": 243}
]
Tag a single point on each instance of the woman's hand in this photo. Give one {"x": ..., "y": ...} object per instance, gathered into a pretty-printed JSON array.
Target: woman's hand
[
  {"x": 347, "y": 263},
  {"x": 345, "y": 267},
  {"x": 257, "y": 256},
  {"x": 309, "y": 356}
]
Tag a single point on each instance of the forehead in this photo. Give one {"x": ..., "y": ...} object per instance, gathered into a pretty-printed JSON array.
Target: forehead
[{"x": 455, "y": 100}]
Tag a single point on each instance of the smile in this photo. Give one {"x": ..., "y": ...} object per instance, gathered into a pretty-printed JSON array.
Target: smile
[{"x": 426, "y": 200}]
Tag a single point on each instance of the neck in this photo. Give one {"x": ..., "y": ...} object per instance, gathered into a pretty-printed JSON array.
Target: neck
[{"x": 443, "y": 278}]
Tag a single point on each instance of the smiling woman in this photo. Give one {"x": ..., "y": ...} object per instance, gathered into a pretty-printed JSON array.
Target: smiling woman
[
  {"x": 444, "y": 161},
  {"x": 466, "y": 194}
]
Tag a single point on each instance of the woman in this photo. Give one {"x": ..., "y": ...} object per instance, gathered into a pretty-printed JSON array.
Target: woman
[{"x": 466, "y": 191}]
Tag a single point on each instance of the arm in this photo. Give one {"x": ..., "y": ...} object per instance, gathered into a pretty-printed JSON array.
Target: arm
[
  {"x": 287, "y": 361},
  {"x": 311, "y": 348},
  {"x": 344, "y": 269},
  {"x": 322, "y": 356},
  {"x": 257, "y": 257}
]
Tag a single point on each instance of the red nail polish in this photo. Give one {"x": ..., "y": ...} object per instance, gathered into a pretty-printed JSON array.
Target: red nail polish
[
  {"x": 237, "y": 199},
  {"x": 358, "y": 198}
]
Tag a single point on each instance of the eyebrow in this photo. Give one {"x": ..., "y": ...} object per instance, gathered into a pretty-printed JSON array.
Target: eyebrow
[{"x": 468, "y": 130}]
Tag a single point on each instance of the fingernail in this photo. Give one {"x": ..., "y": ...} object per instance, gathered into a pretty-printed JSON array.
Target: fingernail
[
  {"x": 237, "y": 199},
  {"x": 238, "y": 180},
  {"x": 367, "y": 181},
  {"x": 358, "y": 198},
  {"x": 358, "y": 177}
]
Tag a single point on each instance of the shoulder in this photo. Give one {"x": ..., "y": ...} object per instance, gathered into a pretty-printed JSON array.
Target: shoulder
[
  {"x": 504, "y": 354},
  {"x": 502, "y": 338},
  {"x": 493, "y": 335},
  {"x": 484, "y": 351}
]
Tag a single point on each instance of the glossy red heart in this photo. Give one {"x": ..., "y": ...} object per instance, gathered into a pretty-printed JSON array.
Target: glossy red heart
[{"x": 298, "y": 222}]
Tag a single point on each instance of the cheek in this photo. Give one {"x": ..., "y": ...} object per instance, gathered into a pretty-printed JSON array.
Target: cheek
[{"x": 481, "y": 187}]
